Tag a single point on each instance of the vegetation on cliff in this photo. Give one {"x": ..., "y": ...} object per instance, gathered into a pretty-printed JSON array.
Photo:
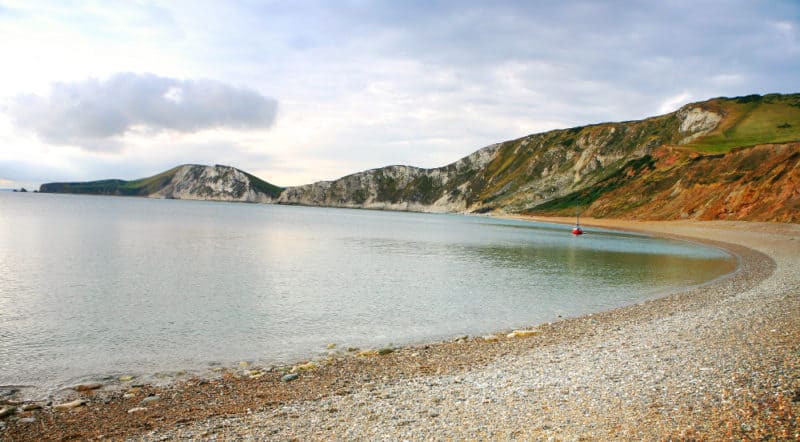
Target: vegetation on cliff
[{"x": 140, "y": 187}]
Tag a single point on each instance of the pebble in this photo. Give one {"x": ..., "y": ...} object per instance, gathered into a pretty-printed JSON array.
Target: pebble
[
  {"x": 522, "y": 333},
  {"x": 150, "y": 399},
  {"x": 87, "y": 387},
  {"x": 136, "y": 410},
  {"x": 31, "y": 407},
  {"x": 127, "y": 378},
  {"x": 290, "y": 377},
  {"x": 27, "y": 420},
  {"x": 70, "y": 405},
  {"x": 304, "y": 367},
  {"x": 7, "y": 411}
]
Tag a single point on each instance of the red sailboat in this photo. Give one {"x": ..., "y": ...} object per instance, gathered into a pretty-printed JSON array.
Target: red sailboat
[{"x": 577, "y": 229}]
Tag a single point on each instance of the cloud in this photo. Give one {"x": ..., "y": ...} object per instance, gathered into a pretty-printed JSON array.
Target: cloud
[
  {"x": 673, "y": 103},
  {"x": 94, "y": 114}
]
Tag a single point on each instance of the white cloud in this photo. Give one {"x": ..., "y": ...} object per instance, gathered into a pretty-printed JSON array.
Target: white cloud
[
  {"x": 674, "y": 102},
  {"x": 93, "y": 114}
]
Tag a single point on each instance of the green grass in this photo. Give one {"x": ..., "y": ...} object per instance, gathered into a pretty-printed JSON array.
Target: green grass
[
  {"x": 140, "y": 187},
  {"x": 753, "y": 120},
  {"x": 263, "y": 186}
]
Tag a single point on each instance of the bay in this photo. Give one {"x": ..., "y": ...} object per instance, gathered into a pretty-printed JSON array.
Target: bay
[{"x": 101, "y": 286}]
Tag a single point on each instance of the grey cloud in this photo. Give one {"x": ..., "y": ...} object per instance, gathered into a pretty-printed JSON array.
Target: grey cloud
[
  {"x": 92, "y": 113},
  {"x": 610, "y": 60}
]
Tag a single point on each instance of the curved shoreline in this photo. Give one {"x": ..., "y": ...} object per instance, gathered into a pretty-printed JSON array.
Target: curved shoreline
[{"x": 529, "y": 387}]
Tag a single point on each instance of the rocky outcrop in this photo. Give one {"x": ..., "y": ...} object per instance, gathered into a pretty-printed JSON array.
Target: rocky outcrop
[
  {"x": 190, "y": 181},
  {"x": 216, "y": 183},
  {"x": 443, "y": 189},
  {"x": 696, "y": 122}
]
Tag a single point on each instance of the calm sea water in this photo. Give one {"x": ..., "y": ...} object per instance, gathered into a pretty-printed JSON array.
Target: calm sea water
[{"x": 103, "y": 286}]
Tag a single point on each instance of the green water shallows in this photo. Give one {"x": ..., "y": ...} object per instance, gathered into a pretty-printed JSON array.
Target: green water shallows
[{"x": 93, "y": 286}]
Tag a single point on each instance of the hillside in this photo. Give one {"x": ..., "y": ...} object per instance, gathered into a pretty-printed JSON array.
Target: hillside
[
  {"x": 191, "y": 181},
  {"x": 752, "y": 183},
  {"x": 751, "y": 120},
  {"x": 558, "y": 171},
  {"x": 724, "y": 158}
]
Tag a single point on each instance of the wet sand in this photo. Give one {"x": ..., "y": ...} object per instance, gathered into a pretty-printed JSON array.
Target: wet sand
[{"x": 718, "y": 361}]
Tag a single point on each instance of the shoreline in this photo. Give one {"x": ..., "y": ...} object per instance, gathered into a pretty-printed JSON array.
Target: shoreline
[{"x": 325, "y": 402}]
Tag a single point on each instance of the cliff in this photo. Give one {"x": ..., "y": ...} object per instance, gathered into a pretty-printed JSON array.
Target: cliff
[
  {"x": 758, "y": 183},
  {"x": 191, "y": 181},
  {"x": 561, "y": 171},
  {"x": 725, "y": 158}
]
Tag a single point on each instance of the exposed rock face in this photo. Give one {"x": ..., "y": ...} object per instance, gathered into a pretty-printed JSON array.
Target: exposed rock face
[
  {"x": 696, "y": 122},
  {"x": 397, "y": 187},
  {"x": 217, "y": 183},
  {"x": 508, "y": 176},
  {"x": 758, "y": 183},
  {"x": 191, "y": 181}
]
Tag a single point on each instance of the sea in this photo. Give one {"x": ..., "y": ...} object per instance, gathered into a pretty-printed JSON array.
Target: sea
[{"x": 97, "y": 287}]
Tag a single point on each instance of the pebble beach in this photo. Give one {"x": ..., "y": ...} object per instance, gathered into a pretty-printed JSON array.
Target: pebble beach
[{"x": 716, "y": 362}]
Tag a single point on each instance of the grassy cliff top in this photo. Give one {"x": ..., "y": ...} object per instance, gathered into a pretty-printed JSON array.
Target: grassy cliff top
[{"x": 751, "y": 120}]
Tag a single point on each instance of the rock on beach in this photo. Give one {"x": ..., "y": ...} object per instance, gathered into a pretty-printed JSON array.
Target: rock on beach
[
  {"x": 290, "y": 377},
  {"x": 70, "y": 405},
  {"x": 150, "y": 399},
  {"x": 523, "y": 333},
  {"x": 87, "y": 387}
]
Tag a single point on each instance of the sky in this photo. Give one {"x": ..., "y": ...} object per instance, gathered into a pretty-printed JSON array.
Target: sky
[{"x": 301, "y": 91}]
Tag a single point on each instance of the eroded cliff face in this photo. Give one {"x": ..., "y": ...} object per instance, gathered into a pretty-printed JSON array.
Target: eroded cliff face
[
  {"x": 441, "y": 189},
  {"x": 759, "y": 183},
  {"x": 214, "y": 183},
  {"x": 696, "y": 122},
  {"x": 509, "y": 176}
]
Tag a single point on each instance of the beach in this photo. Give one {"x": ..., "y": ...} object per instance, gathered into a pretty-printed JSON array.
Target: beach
[{"x": 714, "y": 362}]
